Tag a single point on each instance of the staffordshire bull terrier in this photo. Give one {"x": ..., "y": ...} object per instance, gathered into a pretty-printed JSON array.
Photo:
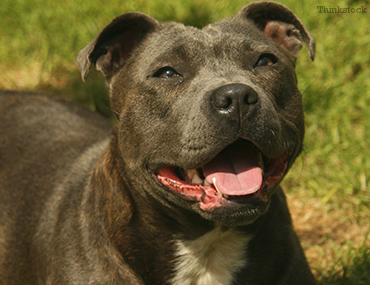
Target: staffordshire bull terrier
[{"x": 185, "y": 188}]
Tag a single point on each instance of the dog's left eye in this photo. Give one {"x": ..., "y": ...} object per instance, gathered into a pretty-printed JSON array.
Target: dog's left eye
[
  {"x": 266, "y": 60},
  {"x": 166, "y": 72}
]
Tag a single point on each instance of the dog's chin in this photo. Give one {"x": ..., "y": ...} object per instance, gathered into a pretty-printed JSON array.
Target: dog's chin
[
  {"x": 234, "y": 187},
  {"x": 234, "y": 214}
]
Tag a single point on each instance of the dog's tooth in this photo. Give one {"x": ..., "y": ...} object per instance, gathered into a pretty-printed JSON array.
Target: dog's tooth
[
  {"x": 260, "y": 161},
  {"x": 191, "y": 172},
  {"x": 206, "y": 183},
  {"x": 214, "y": 184},
  {"x": 196, "y": 179}
]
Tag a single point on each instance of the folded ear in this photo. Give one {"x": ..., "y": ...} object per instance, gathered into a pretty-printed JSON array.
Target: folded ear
[
  {"x": 281, "y": 24},
  {"x": 110, "y": 49}
]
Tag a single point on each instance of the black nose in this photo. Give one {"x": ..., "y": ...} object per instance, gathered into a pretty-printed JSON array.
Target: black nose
[{"x": 234, "y": 101}]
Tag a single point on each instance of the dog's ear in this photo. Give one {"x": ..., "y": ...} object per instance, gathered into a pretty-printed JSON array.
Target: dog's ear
[
  {"x": 281, "y": 24},
  {"x": 115, "y": 43}
]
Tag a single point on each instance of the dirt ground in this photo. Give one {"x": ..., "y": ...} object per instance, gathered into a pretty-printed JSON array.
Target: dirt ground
[{"x": 326, "y": 234}]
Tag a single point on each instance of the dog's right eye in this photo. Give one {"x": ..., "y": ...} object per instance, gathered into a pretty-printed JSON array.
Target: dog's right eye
[{"x": 166, "y": 72}]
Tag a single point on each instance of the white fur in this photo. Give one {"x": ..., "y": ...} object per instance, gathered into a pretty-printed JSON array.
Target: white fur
[{"x": 212, "y": 259}]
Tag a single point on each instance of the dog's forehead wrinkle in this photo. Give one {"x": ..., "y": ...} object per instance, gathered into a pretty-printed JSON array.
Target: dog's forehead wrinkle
[
  {"x": 182, "y": 44},
  {"x": 191, "y": 38},
  {"x": 211, "y": 31},
  {"x": 179, "y": 32}
]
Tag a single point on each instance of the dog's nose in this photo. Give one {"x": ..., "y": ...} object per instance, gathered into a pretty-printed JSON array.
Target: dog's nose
[{"x": 234, "y": 101}]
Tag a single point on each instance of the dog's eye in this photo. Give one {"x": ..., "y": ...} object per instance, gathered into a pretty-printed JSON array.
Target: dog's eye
[
  {"x": 166, "y": 72},
  {"x": 266, "y": 60}
]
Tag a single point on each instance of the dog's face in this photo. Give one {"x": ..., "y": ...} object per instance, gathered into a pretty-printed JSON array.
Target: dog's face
[{"x": 211, "y": 119}]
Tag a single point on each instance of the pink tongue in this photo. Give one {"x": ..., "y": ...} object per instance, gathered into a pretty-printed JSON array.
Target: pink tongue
[{"x": 235, "y": 173}]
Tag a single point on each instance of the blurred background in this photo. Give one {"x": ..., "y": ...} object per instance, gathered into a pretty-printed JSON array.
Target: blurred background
[{"x": 328, "y": 188}]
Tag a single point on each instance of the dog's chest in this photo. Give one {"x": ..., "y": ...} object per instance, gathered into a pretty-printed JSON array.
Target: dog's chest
[{"x": 213, "y": 258}]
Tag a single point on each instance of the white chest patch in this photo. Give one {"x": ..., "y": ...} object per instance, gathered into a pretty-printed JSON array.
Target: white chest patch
[{"x": 213, "y": 258}]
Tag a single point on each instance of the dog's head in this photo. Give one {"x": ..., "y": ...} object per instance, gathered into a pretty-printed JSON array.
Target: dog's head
[{"x": 211, "y": 119}]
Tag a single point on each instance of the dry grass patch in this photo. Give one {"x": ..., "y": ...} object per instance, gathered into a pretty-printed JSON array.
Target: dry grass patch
[{"x": 328, "y": 234}]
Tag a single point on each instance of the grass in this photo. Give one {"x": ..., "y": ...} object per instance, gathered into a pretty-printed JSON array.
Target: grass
[
  {"x": 355, "y": 265},
  {"x": 329, "y": 185}
]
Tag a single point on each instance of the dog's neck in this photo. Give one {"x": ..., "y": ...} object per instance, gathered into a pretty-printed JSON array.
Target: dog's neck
[{"x": 213, "y": 258}]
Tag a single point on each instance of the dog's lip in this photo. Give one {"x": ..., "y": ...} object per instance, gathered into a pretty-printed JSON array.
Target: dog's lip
[{"x": 198, "y": 189}]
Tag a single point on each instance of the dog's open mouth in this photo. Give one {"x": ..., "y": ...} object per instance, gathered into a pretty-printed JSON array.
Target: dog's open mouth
[{"x": 236, "y": 174}]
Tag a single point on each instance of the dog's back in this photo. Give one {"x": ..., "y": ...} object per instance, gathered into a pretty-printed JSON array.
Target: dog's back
[{"x": 41, "y": 139}]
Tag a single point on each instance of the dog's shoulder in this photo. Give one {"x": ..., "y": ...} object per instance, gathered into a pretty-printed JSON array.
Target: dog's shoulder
[{"x": 40, "y": 135}]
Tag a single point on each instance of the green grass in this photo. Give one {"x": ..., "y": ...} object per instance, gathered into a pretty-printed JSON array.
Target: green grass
[
  {"x": 354, "y": 268},
  {"x": 40, "y": 40}
]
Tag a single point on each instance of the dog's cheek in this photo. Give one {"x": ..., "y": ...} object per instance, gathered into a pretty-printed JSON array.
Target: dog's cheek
[
  {"x": 277, "y": 83},
  {"x": 148, "y": 127}
]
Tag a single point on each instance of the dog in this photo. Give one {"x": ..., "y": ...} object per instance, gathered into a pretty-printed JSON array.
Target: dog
[{"x": 184, "y": 189}]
